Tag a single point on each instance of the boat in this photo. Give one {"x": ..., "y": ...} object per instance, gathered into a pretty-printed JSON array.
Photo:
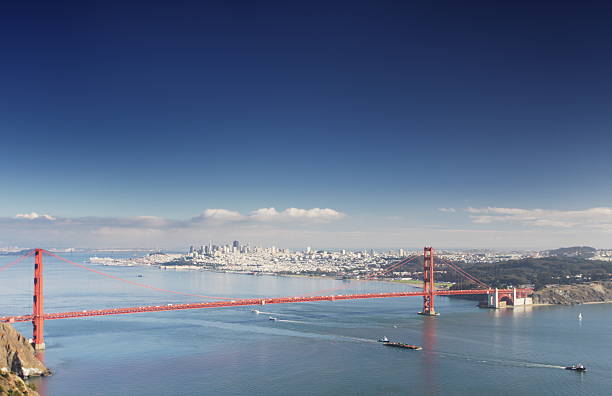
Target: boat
[
  {"x": 255, "y": 311},
  {"x": 400, "y": 345},
  {"x": 580, "y": 316},
  {"x": 384, "y": 339},
  {"x": 576, "y": 367},
  {"x": 272, "y": 318}
]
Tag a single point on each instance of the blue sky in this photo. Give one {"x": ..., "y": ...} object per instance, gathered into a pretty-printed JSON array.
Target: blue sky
[{"x": 381, "y": 111}]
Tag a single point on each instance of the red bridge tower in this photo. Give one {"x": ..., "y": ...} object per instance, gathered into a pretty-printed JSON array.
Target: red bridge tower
[
  {"x": 428, "y": 282},
  {"x": 38, "y": 316}
]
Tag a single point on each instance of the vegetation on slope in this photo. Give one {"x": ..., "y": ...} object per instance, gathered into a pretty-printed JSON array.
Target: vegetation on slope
[{"x": 541, "y": 271}]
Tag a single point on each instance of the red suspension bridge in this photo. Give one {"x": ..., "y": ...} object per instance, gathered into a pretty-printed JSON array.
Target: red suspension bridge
[{"x": 428, "y": 293}]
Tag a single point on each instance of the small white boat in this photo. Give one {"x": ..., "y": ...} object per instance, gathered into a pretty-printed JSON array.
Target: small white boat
[
  {"x": 255, "y": 311},
  {"x": 272, "y": 318},
  {"x": 580, "y": 316},
  {"x": 384, "y": 339},
  {"x": 576, "y": 367}
]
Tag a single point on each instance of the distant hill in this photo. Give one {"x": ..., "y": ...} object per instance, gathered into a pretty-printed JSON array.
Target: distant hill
[
  {"x": 15, "y": 252},
  {"x": 540, "y": 271},
  {"x": 574, "y": 251}
]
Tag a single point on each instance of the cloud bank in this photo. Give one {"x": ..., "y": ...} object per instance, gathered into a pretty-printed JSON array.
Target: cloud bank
[
  {"x": 268, "y": 215},
  {"x": 322, "y": 227},
  {"x": 213, "y": 223},
  {"x": 600, "y": 217}
]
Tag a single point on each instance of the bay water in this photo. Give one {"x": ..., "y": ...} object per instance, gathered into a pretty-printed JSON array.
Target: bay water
[{"x": 322, "y": 348}]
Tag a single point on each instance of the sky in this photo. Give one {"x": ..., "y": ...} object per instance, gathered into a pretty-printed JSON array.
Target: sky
[{"x": 332, "y": 124}]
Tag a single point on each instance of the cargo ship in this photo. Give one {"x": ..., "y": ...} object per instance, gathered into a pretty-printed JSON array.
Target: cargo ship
[{"x": 400, "y": 345}]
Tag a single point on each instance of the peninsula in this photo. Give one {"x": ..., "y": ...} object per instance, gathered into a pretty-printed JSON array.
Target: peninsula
[{"x": 559, "y": 276}]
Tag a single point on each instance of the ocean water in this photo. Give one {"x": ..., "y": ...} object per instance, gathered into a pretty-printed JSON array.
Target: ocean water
[{"x": 326, "y": 348}]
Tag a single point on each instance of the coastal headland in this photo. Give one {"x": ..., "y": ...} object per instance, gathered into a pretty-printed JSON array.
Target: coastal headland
[
  {"x": 17, "y": 362},
  {"x": 582, "y": 293}
]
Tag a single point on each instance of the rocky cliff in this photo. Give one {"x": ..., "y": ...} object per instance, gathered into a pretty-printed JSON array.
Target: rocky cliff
[
  {"x": 17, "y": 360},
  {"x": 574, "y": 294},
  {"x": 17, "y": 355},
  {"x": 12, "y": 385}
]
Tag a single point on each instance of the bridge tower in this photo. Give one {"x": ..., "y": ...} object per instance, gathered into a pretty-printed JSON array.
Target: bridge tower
[
  {"x": 38, "y": 318},
  {"x": 428, "y": 282}
]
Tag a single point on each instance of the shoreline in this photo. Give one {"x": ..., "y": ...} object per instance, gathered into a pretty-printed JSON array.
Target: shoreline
[
  {"x": 332, "y": 277},
  {"x": 570, "y": 305},
  {"x": 410, "y": 282}
]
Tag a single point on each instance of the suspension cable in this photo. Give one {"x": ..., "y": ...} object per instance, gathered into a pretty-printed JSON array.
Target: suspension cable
[
  {"x": 369, "y": 277},
  {"x": 463, "y": 273},
  {"x": 134, "y": 283},
  {"x": 467, "y": 276},
  {"x": 12, "y": 263}
]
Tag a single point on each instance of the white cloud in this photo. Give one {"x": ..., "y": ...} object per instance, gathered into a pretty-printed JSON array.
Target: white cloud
[
  {"x": 600, "y": 217},
  {"x": 221, "y": 214},
  {"x": 318, "y": 214},
  {"x": 265, "y": 214},
  {"x": 449, "y": 210},
  {"x": 34, "y": 216}
]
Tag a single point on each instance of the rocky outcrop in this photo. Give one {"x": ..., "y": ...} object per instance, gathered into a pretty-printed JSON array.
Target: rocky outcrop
[
  {"x": 17, "y": 355},
  {"x": 574, "y": 294},
  {"x": 12, "y": 385}
]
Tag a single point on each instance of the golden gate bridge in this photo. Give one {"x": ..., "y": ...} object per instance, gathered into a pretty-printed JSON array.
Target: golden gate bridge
[{"x": 428, "y": 293}]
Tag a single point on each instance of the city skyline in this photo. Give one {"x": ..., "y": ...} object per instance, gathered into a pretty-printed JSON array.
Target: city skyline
[{"x": 305, "y": 124}]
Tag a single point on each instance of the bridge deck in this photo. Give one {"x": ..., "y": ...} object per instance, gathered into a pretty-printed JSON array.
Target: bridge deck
[{"x": 240, "y": 302}]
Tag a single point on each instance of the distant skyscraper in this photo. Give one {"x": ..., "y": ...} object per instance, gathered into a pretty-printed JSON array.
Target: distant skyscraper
[{"x": 236, "y": 244}]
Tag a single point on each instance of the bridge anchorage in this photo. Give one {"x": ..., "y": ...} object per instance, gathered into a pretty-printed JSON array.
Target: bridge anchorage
[{"x": 496, "y": 298}]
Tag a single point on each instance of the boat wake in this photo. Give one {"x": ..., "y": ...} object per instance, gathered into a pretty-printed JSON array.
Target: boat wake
[
  {"x": 255, "y": 311},
  {"x": 290, "y": 321},
  {"x": 504, "y": 362}
]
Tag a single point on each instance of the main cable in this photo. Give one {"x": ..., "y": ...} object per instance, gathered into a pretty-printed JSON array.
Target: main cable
[
  {"x": 12, "y": 263},
  {"x": 134, "y": 283},
  {"x": 370, "y": 277},
  {"x": 463, "y": 273}
]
